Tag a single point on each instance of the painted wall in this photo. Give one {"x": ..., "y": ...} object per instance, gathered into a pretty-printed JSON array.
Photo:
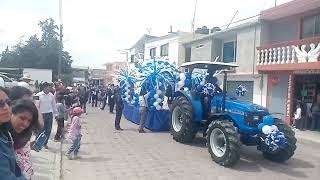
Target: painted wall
[
  {"x": 216, "y": 48},
  {"x": 202, "y": 53},
  {"x": 285, "y": 29},
  {"x": 173, "y": 48},
  {"x": 248, "y": 40},
  {"x": 259, "y": 86},
  {"x": 279, "y": 96},
  {"x": 44, "y": 75}
]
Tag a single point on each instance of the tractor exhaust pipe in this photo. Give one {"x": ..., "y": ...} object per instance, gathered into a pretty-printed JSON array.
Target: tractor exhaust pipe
[{"x": 224, "y": 91}]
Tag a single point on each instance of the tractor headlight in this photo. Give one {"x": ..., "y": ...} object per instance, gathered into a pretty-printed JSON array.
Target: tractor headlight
[
  {"x": 256, "y": 118},
  {"x": 253, "y": 119}
]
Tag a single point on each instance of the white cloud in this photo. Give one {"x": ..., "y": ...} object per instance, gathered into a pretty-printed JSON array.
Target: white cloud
[{"x": 95, "y": 29}]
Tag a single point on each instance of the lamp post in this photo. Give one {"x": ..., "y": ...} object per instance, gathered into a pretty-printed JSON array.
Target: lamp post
[{"x": 60, "y": 40}]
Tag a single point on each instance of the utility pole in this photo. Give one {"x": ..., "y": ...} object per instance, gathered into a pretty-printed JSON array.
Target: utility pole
[
  {"x": 275, "y": 3},
  {"x": 60, "y": 44},
  {"x": 194, "y": 17}
]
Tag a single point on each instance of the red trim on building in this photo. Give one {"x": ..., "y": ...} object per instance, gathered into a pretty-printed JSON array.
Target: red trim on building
[
  {"x": 288, "y": 67},
  {"x": 289, "y": 9},
  {"x": 291, "y": 43}
]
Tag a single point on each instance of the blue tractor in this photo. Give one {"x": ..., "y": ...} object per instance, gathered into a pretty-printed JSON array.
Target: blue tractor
[{"x": 226, "y": 122}]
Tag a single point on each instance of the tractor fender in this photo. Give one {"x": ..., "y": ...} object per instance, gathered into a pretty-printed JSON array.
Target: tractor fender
[{"x": 196, "y": 104}]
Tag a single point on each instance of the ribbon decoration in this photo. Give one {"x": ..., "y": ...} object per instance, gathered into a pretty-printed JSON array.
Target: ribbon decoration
[
  {"x": 241, "y": 90},
  {"x": 276, "y": 140}
]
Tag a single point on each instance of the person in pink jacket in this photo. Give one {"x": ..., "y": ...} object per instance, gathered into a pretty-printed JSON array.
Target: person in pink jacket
[{"x": 75, "y": 134}]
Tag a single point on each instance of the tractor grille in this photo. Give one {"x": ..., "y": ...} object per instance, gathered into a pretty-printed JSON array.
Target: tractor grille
[{"x": 254, "y": 119}]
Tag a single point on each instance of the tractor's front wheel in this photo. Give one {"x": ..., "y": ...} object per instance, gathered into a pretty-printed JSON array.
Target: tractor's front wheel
[
  {"x": 223, "y": 142},
  {"x": 283, "y": 154},
  {"x": 183, "y": 128}
]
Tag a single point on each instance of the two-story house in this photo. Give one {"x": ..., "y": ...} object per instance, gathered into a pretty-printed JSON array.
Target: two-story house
[
  {"x": 169, "y": 47},
  {"x": 289, "y": 55},
  {"x": 238, "y": 45},
  {"x": 112, "y": 69},
  {"x": 136, "y": 52}
]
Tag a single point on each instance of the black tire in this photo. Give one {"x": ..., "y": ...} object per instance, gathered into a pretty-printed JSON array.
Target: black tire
[
  {"x": 232, "y": 144},
  {"x": 183, "y": 108},
  {"x": 283, "y": 155}
]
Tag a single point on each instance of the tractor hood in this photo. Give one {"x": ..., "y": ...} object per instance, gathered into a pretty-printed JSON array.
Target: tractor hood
[
  {"x": 241, "y": 105},
  {"x": 245, "y": 105}
]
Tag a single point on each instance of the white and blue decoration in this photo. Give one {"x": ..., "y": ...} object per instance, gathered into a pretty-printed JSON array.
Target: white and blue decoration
[
  {"x": 154, "y": 76},
  {"x": 274, "y": 138},
  {"x": 127, "y": 81},
  {"x": 241, "y": 90}
]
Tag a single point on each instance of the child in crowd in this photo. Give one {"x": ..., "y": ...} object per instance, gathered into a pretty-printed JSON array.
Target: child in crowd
[
  {"x": 75, "y": 133},
  {"x": 62, "y": 111},
  {"x": 297, "y": 117}
]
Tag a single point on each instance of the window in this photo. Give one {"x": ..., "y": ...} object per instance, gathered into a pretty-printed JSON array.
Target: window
[
  {"x": 199, "y": 46},
  {"x": 229, "y": 51},
  {"x": 164, "y": 50},
  {"x": 188, "y": 54},
  {"x": 311, "y": 26},
  {"x": 153, "y": 52},
  {"x": 132, "y": 59}
]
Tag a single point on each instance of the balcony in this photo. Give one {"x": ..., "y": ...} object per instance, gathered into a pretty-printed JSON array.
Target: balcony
[{"x": 288, "y": 56}]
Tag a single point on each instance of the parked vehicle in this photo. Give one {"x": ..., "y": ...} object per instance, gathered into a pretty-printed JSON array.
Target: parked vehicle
[
  {"x": 6, "y": 82},
  {"x": 225, "y": 121}
]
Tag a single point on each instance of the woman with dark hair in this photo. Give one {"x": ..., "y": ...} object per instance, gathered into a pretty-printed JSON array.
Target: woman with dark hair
[
  {"x": 8, "y": 167},
  {"x": 19, "y": 92},
  {"x": 24, "y": 122}
]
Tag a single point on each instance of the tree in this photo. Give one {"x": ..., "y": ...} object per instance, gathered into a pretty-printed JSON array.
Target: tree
[{"x": 40, "y": 53}]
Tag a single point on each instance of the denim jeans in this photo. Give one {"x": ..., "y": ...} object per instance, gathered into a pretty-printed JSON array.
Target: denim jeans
[
  {"x": 75, "y": 145},
  {"x": 47, "y": 119}
]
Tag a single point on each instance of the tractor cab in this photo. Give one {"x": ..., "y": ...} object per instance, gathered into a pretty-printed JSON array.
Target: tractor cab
[{"x": 208, "y": 86}]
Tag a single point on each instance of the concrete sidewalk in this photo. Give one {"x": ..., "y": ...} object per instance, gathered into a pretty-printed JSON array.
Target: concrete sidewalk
[
  {"x": 47, "y": 162},
  {"x": 307, "y": 135}
]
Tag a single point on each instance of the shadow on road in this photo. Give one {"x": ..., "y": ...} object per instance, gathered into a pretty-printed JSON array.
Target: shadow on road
[
  {"x": 94, "y": 159},
  {"x": 253, "y": 161}
]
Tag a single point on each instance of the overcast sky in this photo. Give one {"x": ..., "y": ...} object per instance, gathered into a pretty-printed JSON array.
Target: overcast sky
[{"x": 95, "y": 29}]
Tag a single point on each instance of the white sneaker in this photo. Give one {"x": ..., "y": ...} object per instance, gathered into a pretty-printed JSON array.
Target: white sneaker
[
  {"x": 77, "y": 157},
  {"x": 69, "y": 156}
]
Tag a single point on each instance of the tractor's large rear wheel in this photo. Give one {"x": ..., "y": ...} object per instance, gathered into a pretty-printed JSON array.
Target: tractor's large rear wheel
[
  {"x": 283, "y": 154},
  {"x": 183, "y": 128},
  {"x": 223, "y": 142}
]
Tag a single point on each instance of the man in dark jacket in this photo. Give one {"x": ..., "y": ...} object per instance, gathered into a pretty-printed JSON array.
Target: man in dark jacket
[
  {"x": 95, "y": 93},
  {"x": 111, "y": 98},
  {"x": 119, "y": 107}
]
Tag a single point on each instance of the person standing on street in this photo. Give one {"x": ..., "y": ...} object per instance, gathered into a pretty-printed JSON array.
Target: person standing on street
[
  {"x": 144, "y": 94},
  {"x": 75, "y": 134},
  {"x": 105, "y": 98},
  {"x": 111, "y": 99},
  {"x": 95, "y": 93},
  {"x": 83, "y": 98},
  {"x": 315, "y": 110},
  {"x": 47, "y": 107},
  {"x": 119, "y": 108},
  {"x": 62, "y": 111}
]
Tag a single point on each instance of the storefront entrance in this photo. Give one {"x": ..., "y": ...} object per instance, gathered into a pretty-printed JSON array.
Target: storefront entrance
[{"x": 306, "y": 92}]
